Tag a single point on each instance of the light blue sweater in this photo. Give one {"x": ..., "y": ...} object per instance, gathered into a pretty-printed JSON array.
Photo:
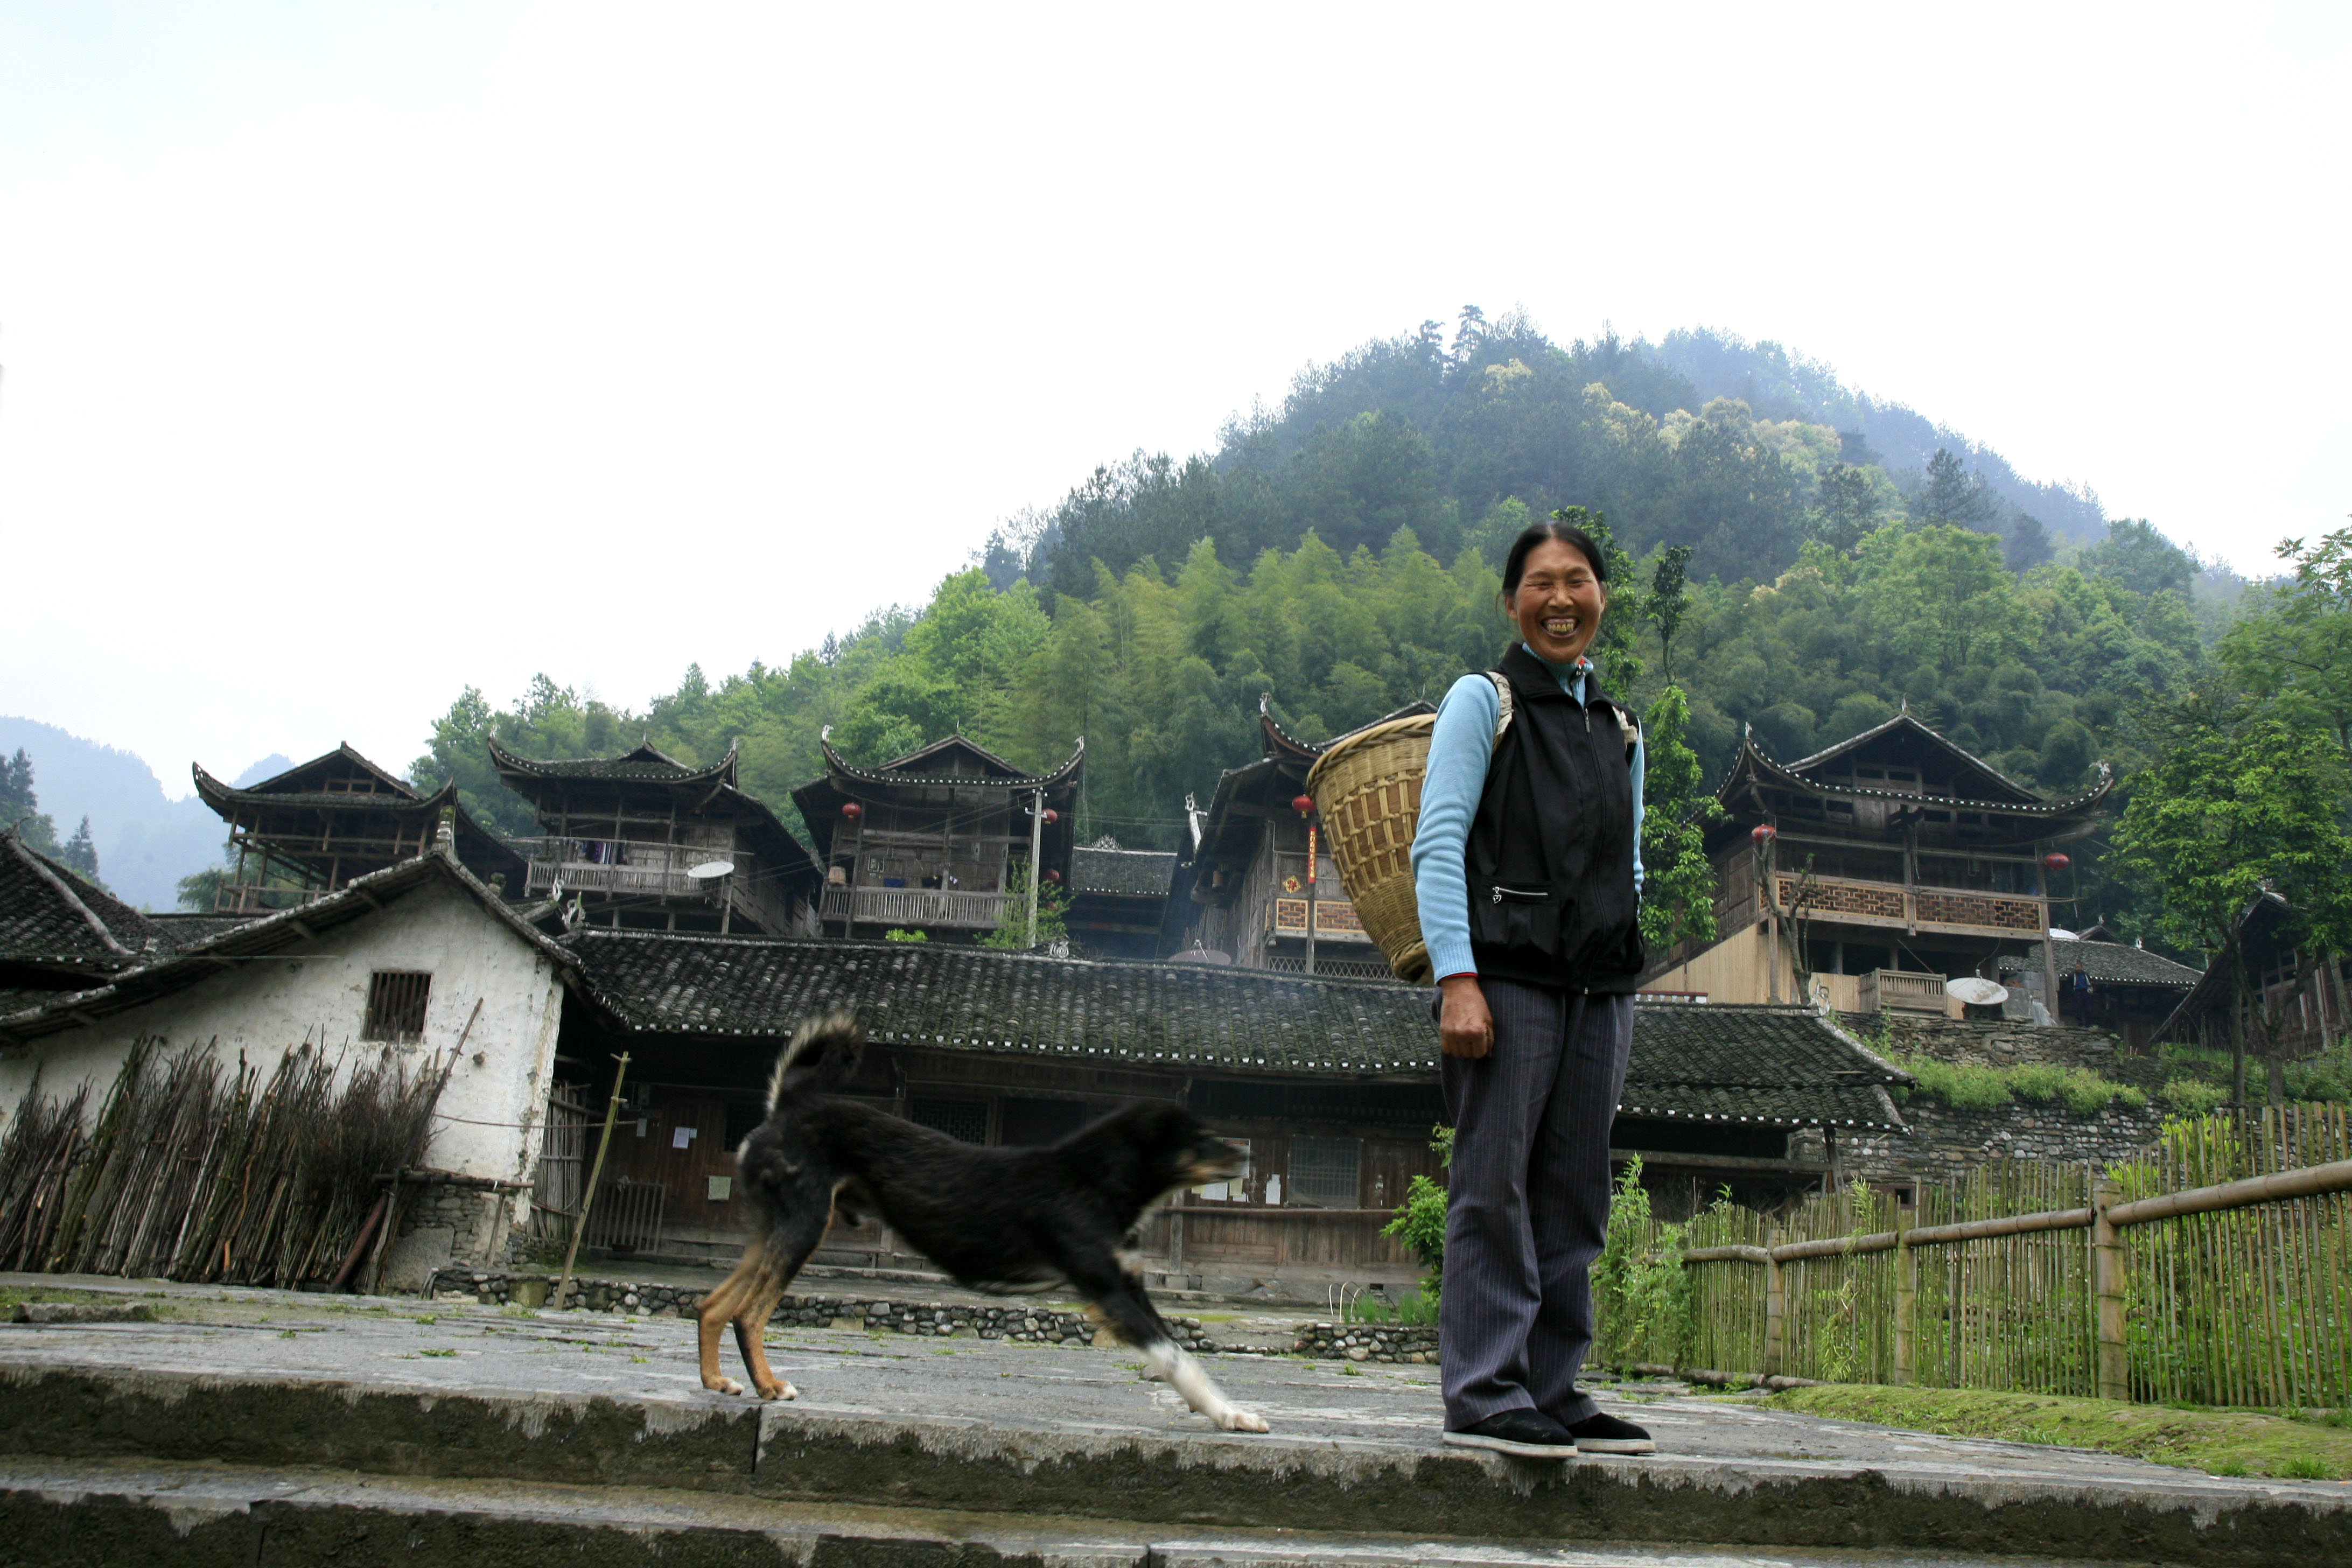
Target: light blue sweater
[{"x": 1458, "y": 751}]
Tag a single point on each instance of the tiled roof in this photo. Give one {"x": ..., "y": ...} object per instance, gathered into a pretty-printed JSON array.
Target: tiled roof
[
  {"x": 645, "y": 765},
  {"x": 2109, "y": 960},
  {"x": 48, "y": 915},
  {"x": 1777, "y": 1065},
  {"x": 183, "y": 931},
  {"x": 161, "y": 975},
  {"x": 1131, "y": 873},
  {"x": 1770, "y": 1065},
  {"x": 1752, "y": 766},
  {"x": 907, "y": 769}
]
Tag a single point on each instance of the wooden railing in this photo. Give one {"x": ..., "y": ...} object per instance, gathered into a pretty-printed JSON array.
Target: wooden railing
[
  {"x": 1901, "y": 991},
  {"x": 1856, "y": 902},
  {"x": 913, "y": 906},
  {"x": 261, "y": 898},
  {"x": 630, "y": 866}
]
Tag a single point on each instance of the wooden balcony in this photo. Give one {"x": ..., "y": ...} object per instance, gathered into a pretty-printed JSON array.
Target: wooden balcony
[
  {"x": 1957, "y": 911},
  {"x": 260, "y": 899},
  {"x": 907, "y": 908},
  {"x": 629, "y": 868}
]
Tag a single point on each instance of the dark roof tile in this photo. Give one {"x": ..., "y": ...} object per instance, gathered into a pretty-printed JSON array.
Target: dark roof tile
[{"x": 1774, "y": 1065}]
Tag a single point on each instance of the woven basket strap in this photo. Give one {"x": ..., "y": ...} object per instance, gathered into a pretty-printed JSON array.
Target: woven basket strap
[{"x": 1503, "y": 698}]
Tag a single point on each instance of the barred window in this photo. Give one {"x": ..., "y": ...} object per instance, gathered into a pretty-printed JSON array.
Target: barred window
[
  {"x": 963, "y": 1119},
  {"x": 1327, "y": 1173},
  {"x": 396, "y": 1005}
]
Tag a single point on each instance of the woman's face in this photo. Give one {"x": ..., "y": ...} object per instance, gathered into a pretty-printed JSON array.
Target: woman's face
[{"x": 1558, "y": 602}]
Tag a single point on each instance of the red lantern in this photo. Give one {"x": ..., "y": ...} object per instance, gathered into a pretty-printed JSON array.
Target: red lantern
[
  {"x": 1052, "y": 816},
  {"x": 1763, "y": 833},
  {"x": 852, "y": 810},
  {"x": 2056, "y": 861},
  {"x": 1303, "y": 804},
  {"x": 1052, "y": 875}
]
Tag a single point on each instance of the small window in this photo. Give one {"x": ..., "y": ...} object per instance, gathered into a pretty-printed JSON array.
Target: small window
[
  {"x": 395, "y": 1009},
  {"x": 966, "y": 1121},
  {"x": 1327, "y": 1173}
]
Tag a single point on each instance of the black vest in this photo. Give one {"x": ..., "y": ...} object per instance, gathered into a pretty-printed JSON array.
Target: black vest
[{"x": 1550, "y": 855}]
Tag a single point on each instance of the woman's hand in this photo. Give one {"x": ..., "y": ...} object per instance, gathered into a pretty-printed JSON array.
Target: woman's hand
[{"x": 1464, "y": 1028}]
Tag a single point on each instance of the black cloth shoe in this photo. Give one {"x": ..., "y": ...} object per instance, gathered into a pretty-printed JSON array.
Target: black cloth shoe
[
  {"x": 1530, "y": 1433},
  {"x": 1601, "y": 1433}
]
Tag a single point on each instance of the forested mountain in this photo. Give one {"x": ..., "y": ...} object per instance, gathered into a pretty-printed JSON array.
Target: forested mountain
[{"x": 1342, "y": 552}]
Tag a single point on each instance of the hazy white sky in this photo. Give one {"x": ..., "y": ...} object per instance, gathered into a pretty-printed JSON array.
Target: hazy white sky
[{"x": 357, "y": 352}]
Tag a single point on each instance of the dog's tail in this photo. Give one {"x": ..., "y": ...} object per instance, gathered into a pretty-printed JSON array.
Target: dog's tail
[{"x": 829, "y": 1044}]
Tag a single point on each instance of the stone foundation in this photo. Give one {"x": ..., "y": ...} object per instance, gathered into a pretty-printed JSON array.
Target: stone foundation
[
  {"x": 1367, "y": 1342},
  {"x": 446, "y": 1221},
  {"x": 1944, "y": 1143},
  {"x": 1035, "y": 1325}
]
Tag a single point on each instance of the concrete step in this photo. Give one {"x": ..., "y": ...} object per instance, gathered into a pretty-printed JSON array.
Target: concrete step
[
  {"x": 200, "y": 1516},
  {"x": 479, "y": 1396},
  {"x": 805, "y": 1454}
]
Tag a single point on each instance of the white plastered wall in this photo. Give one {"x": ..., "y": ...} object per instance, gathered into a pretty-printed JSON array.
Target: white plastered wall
[{"x": 491, "y": 1113}]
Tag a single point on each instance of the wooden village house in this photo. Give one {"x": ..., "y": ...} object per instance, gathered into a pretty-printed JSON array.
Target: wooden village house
[
  {"x": 1258, "y": 900},
  {"x": 645, "y": 842},
  {"x": 1876, "y": 871},
  {"x": 2296, "y": 1001},
  {"x": 319, "y": 826},
  {"x": 939, "y": 841}
]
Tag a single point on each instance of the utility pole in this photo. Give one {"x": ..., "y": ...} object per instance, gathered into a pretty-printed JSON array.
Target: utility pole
[{"x": 1036, "y": 856}]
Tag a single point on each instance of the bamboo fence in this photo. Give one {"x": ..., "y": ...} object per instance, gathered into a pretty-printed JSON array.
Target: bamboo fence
[
  {"x": 194, "y": 1170},
  {"x": 2216, "y": 1270}
]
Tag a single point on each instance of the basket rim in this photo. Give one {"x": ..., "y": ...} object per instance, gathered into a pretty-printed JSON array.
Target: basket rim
[{"x": 1382, "y": 732}]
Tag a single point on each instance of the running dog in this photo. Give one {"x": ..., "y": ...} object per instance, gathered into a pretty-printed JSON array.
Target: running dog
[{"x": 1001, "y": 1220}]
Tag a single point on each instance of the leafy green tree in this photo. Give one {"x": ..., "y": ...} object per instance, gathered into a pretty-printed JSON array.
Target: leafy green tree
[
  {"x": 1668, "y": 600},
  {"x": 2295, "y": 647},
  {"x": 2236, "y": 801},
  {"x": 1677, "y": 881},
  {"x": 1848, "y": 507},
  {"x": 1014, "y": 932}
]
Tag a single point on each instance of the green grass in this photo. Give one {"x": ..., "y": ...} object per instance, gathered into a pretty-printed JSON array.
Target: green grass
[
  {"x": 2218, "y": 1441},
  {"x": 1964, "y": 1087}
]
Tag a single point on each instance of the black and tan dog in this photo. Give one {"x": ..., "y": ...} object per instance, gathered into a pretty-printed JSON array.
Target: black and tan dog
[{"x": 996, "y": 1219}]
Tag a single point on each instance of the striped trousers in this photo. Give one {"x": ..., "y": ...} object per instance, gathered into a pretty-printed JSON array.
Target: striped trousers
[{"x": 1529, "y": 1201}]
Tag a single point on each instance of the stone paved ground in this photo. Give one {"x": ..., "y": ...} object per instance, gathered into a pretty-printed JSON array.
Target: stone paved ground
[{"x": 1017, "y": 1412}]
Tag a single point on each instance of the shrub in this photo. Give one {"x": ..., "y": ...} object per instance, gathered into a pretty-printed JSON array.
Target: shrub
[
  {"x": 1641, "y": 1292},
  {"x": 2194, "y": 1097}
]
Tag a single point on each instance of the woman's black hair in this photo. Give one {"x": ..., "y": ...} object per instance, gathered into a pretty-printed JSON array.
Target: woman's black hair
[{"x": 1515, "y": 564}]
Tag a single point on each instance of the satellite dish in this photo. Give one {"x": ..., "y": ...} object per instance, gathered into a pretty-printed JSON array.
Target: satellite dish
[
  {"x": 2058, "y": 935},
  {"x": 709, "y": 868},
  {"x": 1971, "y": 991}
]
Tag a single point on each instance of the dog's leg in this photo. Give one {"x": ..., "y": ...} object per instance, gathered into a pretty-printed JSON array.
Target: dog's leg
[
  {"x": 789, "y": 1246},
  {"x": 724, "y": 1301},
  {"x": 1130, "y": 1312}
]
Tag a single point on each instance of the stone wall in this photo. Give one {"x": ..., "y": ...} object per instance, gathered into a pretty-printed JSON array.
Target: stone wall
[
  {"x": 1943, "y": 1143},
  {"x": 447, "y": 1221},
  {"x": 1366, "y": 1341},
  {"x": 2001, "y": 1042}
]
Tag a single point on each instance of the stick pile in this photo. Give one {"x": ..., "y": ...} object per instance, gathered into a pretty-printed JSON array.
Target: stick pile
[{"x": 193, "y": 1172}]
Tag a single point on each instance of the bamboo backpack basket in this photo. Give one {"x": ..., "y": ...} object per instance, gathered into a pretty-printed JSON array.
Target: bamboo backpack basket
[{"x": 1367, "y": 788}]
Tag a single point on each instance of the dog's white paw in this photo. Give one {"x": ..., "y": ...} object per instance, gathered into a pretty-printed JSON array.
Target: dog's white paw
[
  {"x": 1244, "y": 1421},
  {"x": 727, "y": 1385},
  {"x": 783, "y": 1391}
]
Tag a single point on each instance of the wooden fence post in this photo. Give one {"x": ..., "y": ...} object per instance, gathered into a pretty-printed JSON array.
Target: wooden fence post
[
  {"x": 2107, "y": 1287},
  {"x": 1775, "y": 1307},
  {"x": 1907, "y": 1299}
]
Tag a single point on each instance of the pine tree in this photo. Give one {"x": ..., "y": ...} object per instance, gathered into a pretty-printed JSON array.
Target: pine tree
[{"x": 79, "y": 855}]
